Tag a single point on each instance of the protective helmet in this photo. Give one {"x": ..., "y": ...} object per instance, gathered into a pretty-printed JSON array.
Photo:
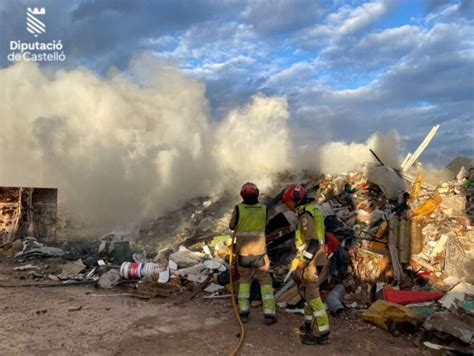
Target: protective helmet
[
  {"x": 294, "y": 194},
  {"x": 249, "y": 190}
]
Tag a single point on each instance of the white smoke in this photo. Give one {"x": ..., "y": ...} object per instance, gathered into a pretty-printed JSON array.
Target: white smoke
[
  {"x": 125, "y": 146},
  {"x": 337, "y": 157},
  {"x": 254, "y": 142}
]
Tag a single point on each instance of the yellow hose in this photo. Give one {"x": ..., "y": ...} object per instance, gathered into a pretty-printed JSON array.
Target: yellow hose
[{"x": 234, "y": 304}]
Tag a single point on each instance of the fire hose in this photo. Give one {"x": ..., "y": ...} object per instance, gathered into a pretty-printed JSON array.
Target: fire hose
[{"x": 234, "y": 304}]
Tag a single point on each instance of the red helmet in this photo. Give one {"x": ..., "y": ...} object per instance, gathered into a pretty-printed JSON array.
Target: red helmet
[
  {"x": 249, "y": 190},
  {"x": 294, "y": 193}
]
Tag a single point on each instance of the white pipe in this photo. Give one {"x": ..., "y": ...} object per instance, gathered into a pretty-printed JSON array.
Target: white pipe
[{"x": 409, "y": 163}]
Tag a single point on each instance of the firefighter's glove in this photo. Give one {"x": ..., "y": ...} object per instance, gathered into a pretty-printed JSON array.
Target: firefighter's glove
[
  {"x": 297, "y": 266},
  {"x": 297, "y": 263},
  {"x": 297, "y": 275}
]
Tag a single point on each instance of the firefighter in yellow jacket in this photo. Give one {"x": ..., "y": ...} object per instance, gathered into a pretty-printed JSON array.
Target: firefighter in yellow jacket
[
  {"x": 311, "y": 256},
  {"x": 249, "y": 220}
]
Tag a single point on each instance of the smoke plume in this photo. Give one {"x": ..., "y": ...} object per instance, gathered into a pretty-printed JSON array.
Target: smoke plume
[{"x": 121, "y": 147}]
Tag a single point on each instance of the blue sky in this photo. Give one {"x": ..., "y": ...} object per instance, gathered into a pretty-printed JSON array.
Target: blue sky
[{"x": 347, "y": 68}]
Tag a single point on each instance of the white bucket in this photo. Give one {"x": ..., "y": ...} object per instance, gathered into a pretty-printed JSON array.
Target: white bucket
[
  {"x": 132, "y": 270},
  {"x": 150, "y": 269},
  {"x": 124, "y": 270}
]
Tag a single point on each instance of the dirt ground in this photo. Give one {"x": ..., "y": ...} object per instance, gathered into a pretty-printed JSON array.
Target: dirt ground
[{"x": 37, "y": 321}]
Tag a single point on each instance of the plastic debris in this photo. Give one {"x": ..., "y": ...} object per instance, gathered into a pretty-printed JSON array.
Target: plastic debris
[
  {"x": 26, "y": 267},
  {"x": 216, "y": 264},
  {"x": 32, "y": 248},
  {"x": 389, "y": 181},
  {"x": 427, "y": 207},
  {"x": 186, "y": 258},
  {"x": 213, "y": 288},
  {"x": 404, "y": 297},
  {"x": 334, "y": 299},
  {"x": 393, "y": 317},
  {"x": 456, "y": 294},
  {"x": 196, "y": 277}
]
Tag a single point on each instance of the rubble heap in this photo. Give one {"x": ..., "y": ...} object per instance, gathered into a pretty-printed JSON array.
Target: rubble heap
[{"x": 393, "y": 241}]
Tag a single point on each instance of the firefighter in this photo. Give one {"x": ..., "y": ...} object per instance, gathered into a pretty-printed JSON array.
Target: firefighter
[
  {"x": 310, "y": 266},
  {"x": 248, "y": 220}
]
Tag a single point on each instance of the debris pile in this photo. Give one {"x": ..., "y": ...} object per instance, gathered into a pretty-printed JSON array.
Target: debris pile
[
  {"x": 198, "y": 217},
  {"x": 400, "y": 249},
  {"x": 447, "y": 235}
]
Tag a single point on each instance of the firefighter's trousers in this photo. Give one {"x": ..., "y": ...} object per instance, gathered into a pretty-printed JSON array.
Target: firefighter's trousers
[
  {"x": 263, "y": 276},
  {"x": 315, "y": 310}
]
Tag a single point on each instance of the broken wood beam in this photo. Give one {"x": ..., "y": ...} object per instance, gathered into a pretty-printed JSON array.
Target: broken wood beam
[{"x": 376, "y": 157}]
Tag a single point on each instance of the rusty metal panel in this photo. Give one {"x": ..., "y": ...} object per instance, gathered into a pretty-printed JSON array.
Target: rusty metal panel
[
  {"x": 28, "y": 212},
  {"x": 9, "y": 213}
]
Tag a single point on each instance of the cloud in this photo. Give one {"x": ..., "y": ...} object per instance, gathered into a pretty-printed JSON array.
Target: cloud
[
  {"x": 111, "y": 33},
  {"x": 364, "y": 16},
  {"x": 100, "y": 26},
  {"x": 345, "y": 22},
  {"x": 443, "y": 10},
  {"x": 228, "y": 56},
  {"x": 424, "y": 87},
  {"x": 217, "y": 42},
  {"x": 159, "y": 43},
  {"x": 434, "y": 71},
  {"x": 282, "y": 16},
  {"x": 292, "y": 76},
  {"x": 432, "y": 5},
  {"x": 96, "y": 8},
  {"x": 212, "y": 70},
  {"x": 376, "y": 49}
]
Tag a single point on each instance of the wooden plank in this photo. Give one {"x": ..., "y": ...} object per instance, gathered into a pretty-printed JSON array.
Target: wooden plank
[{"x": 195, "y": 292}]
